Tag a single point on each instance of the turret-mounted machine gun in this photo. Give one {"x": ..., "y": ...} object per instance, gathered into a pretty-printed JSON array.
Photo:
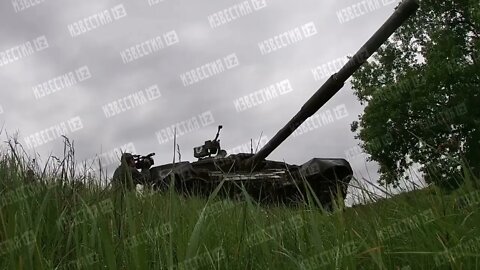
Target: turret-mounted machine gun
[
  {"x": 210, "y": 148},
  {"x": 267, "y": 180}
]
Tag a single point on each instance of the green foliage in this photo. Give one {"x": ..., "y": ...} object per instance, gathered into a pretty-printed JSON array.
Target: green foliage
[
  {"x": 51, "y": 223},
  {"x": 422, "y": 95}
]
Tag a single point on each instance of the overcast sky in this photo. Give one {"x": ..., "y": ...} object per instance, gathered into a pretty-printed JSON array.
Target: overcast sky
[{"x": 113, "y": 74}]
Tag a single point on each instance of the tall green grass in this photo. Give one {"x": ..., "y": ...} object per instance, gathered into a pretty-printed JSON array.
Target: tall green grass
[{"x": 49, "y": 221}]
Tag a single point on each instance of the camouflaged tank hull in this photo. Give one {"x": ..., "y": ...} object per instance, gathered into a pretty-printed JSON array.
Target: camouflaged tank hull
[
  {"x": 271, "y": 181},
  {"x": 277, "y": 181}
]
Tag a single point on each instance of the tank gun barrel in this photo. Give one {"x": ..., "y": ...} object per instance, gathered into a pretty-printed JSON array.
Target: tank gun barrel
[{"x": 406, "y": 9}]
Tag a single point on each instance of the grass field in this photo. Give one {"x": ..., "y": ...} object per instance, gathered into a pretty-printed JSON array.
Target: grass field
[{"x": 49, "y": 223}]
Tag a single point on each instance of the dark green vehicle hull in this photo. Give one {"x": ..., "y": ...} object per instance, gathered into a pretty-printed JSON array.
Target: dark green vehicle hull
[
  {"x": 268, "y": 181},
  {"x": 271, "y": 181}
]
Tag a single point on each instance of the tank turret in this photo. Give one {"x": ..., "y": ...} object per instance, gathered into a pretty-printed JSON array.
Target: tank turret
[{"x": 267, "y": 180}]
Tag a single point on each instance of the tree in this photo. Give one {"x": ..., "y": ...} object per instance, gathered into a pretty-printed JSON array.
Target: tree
[{"x": 422, "y": 95}]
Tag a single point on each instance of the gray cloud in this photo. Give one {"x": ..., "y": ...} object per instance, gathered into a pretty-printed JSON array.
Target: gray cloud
[{"x": 198, "y": 44}]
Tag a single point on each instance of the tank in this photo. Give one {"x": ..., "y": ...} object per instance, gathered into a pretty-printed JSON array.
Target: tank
[{"x": 320, "y": 179}]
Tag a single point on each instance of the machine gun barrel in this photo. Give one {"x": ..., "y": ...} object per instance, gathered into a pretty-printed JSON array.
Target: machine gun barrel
[{"x": 406, "y": 9}]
